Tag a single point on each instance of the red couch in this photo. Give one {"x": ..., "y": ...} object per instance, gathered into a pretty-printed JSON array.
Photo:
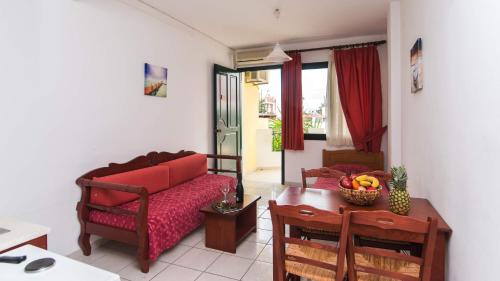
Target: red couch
[{"x": 152, "y": 201}]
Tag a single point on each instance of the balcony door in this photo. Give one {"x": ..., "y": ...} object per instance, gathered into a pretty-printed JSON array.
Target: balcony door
[{"x": 227, "y": 115}]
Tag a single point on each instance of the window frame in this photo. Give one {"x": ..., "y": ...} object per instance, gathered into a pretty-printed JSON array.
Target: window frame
[{"x": 308, "y": 66}]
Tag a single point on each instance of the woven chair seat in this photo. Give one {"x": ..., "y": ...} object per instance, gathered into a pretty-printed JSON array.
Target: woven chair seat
[
  {"x": 393, "y": 265},
  {"x": 309, "y": 271}
]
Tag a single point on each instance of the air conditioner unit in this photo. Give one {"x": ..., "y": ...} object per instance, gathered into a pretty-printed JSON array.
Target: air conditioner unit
[
  {"x": 256, "y": 77},
  {"x": 252, "y": 57}
]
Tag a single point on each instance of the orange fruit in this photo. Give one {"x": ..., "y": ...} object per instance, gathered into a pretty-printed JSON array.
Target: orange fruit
[{"x": 355, "y": 184}]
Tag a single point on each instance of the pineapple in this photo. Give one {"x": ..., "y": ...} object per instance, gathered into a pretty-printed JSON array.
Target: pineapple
[{"x": 399, "y": 198}]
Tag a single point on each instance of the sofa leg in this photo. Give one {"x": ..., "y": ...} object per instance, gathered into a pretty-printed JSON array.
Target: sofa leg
[
  {"x": 143, "y": 257},
  {"x": 84, "y": 243},
  {"x": 143, "y": 262}
]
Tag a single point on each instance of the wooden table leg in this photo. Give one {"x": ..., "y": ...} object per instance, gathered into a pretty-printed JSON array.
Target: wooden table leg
[{"x": 439, "y": 261}]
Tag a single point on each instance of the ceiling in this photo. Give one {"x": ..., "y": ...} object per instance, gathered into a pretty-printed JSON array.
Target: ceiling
[{"x": 251, "y": 23}]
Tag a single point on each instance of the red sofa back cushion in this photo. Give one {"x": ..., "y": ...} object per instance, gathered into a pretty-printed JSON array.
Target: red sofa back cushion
[
  {"x": 186, "y": 168},
  {"x": 154, "y": 179}
]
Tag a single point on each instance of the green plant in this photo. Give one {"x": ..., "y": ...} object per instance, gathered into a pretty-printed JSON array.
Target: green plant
[{"x": 275, "y": 125}]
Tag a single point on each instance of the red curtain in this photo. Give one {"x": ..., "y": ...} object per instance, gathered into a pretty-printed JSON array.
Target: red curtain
[
  {"x": 360, "y": 90},
  {"x": 291, "y": 103}
]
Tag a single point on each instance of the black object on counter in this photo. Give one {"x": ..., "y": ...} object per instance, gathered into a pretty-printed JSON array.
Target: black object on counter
[
  {"x": 39, "y": 265},
  {"x": 12, "y": 259}
]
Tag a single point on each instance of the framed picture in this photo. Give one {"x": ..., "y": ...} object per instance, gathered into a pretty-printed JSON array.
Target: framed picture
[
  {"x": 155, "y": 80},
  {"x": 416, "y": 70}
]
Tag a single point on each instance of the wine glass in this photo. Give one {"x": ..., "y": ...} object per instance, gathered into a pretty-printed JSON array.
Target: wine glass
[{"x": 225, "y": 190}]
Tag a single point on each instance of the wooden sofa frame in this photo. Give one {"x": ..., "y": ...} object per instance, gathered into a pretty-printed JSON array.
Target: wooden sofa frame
[{"x": 139, "y": 237}]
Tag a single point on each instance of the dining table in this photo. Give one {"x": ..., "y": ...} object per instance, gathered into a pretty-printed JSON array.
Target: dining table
[{"x": 332, "y": 200}]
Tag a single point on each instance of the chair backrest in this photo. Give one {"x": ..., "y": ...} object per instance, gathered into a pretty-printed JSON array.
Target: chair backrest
[
  {"x": 385, "y": 225},
  {"x": 320, "y": 173},
  {"x": 304, "y": 216}
]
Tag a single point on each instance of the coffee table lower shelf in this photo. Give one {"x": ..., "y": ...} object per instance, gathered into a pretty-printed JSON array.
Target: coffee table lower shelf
[{"x": 225, "y": 231}]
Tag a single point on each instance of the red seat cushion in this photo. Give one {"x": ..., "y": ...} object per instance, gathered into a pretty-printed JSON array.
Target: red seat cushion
[
  {"x": 154, "y": 179},
  {"x": 172, "y": 213},
  {"x": 186, "y": 168}
]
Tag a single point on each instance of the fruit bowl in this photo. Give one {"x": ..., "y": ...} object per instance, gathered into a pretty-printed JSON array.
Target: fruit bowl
[{"x": 361, "y": 197}]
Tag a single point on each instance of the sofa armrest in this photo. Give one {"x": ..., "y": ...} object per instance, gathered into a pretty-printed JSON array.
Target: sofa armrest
[
  {"x": 229, "y": 157},
  {"x": 84, "y": 205}
]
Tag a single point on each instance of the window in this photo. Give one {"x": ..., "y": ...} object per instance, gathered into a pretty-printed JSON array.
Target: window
[{"x": 314, "y": 84}]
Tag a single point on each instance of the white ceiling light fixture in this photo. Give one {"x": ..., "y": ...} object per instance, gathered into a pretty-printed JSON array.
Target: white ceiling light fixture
[{"x": 277, "y": 55}]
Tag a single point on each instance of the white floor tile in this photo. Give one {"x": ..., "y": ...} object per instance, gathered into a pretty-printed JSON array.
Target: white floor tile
[
  {"x": 259, "y": 271},
  {"x": 266, "y": 215},
  {"x": 261, "y": 210},
  {"x": 201, "y": 245},
  {"x": 212, "y": 277},
  {"x": 265, "y": 224},
  {"x": 266, "y": 176},
  {"x": 230, "y": 266},
  {"x": 197, "y": 259},
  {"x": 267, "y": 254},
  {"x": 133, "y": 272},
  {"x": 174, "y": 253},
  {"x": 249, "y": 250},
  {"x": 114, "y": 261},
  {"x": 177, "y": 273},
  {"x": 96, "y": 253},
  {"x": 261, "y": 236},
  {"x": 193, "y": 238},
  {"x": 120, "y": 247}
]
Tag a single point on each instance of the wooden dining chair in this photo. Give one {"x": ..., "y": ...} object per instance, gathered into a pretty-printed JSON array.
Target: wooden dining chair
[
  {"x": 294, "y": 257},
  {"x": 320, "y": 173},
  {"x": 328, "y": 173},
  {"x": 370, "y": 263}
]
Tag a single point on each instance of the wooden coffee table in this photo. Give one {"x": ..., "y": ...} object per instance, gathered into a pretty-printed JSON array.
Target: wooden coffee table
[{"x": 224, "y": 231}]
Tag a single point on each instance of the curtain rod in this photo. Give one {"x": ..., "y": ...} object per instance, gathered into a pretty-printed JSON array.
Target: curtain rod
[{"x": 374, "y": 43}]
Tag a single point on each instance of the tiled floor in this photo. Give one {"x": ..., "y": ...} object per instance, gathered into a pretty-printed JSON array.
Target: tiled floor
[
  {"x": 258, "y": 185},
  {"x": 264, "y": 175},
  {"x": 190, "y": 260}
]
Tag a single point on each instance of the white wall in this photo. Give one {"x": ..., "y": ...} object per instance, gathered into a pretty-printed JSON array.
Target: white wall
[
  {"x": 394, "y": 85},
  {"x": 71, "y": 84},
  {"x": 266, "y": 157},
  {"x": 311, "y": 156},
  {"x": 450, "y": 138}
]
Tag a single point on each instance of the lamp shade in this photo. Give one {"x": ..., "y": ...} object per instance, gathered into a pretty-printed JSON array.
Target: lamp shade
[{"x": 278, "y": 55}]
